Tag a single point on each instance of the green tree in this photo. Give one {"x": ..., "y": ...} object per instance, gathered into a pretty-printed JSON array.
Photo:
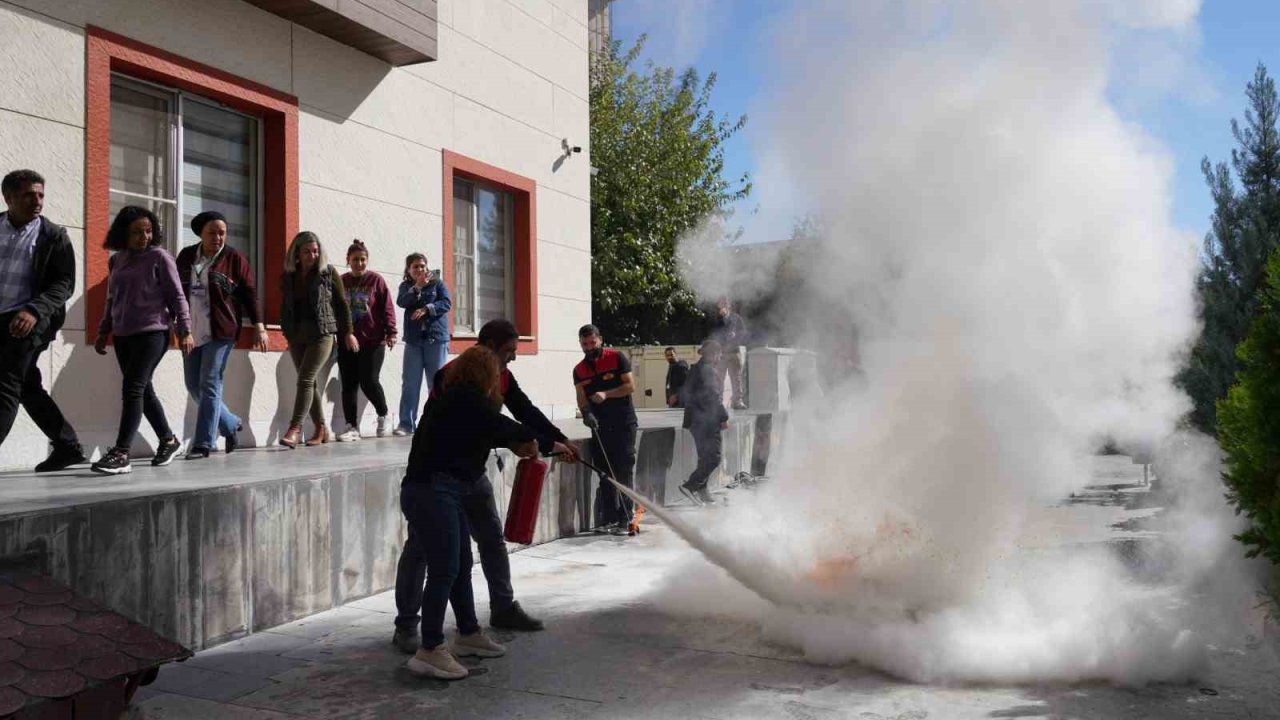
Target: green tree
[
  {"x": 1249, "y": 424},
  {"x": 1244, "y": 230},
  {"x": 658, "y": 150}
]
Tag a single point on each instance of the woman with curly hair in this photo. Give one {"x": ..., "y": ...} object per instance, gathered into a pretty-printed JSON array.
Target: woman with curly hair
[
  {"x": 458, "y": 430},
  {"x": 144, "y": 300}
]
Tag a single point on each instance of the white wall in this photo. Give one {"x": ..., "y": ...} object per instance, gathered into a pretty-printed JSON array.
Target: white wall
[{"x": 511, "y": 81}]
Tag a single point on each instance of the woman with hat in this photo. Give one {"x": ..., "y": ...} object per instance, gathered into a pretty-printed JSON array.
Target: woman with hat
[{"x": 220, "y": 289}]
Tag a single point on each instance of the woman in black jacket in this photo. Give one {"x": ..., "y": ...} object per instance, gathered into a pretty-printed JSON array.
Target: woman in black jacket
[{"x": 450, "y": 446}]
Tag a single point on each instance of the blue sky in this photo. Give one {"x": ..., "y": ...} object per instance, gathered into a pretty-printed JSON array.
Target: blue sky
[{"x": 731, "y": 37}]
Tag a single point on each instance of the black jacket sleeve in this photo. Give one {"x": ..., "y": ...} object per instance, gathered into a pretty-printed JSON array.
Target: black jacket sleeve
[
  {"x": 54, "y": 288},
  {"x": 523, "y": 410}
]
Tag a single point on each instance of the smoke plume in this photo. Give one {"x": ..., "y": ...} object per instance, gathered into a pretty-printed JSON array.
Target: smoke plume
[{"x": 998, "y": 235}]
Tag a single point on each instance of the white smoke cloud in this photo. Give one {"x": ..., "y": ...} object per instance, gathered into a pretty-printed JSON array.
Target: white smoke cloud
[{"x": 1000, "y": 235}]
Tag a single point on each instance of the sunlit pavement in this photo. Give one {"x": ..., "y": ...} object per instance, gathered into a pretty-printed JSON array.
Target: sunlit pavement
[{"x": 611, "y": 652}]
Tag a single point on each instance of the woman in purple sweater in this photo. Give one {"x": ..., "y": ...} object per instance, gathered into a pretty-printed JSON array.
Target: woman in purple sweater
[
  {"x": 373, "y": 322},
  {"x": 144, "y": 298}
]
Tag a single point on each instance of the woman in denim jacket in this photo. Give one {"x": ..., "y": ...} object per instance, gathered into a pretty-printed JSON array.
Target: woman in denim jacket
[{"x": 426, "y": 304}]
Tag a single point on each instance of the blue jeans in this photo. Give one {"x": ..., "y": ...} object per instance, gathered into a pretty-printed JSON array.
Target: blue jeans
[
  {"x": 437, "y": 517},
  {"x": 419, "y": 359},
  {"x": 203, "y": 370}
]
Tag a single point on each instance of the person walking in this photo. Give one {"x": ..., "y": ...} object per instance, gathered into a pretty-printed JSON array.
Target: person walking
[
  {"x": 730, "y": 331},
  {"x": 426, "y": 304},
  {"x": 373, "y": 319},
  {"x": 677, "y": 373},
  {"x": 450, "y": 448},
  {"x": 505, "y": 612},
  {"x": 37, "y": 276},
  {"x": 706, "y": 418},
  {"x": 313, "y": 313},
  {"x": 144, "y": 299},
  {"x": 220, "y": 290},
  {"x": 604, "y": 386}
]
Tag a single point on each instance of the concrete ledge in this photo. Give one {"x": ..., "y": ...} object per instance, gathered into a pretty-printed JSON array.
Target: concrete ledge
[{"x": 206, "y": 552}]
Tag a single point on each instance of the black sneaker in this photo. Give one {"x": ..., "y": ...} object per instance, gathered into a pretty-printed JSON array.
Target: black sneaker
[
  {"x": 62, "y": 458},
  {"x": 198, "y": 453},
  {"x": 166, "y": 451},
  {"x": 406, "y": 641},
  {"x": 115, "y": 462},
  {"x": 514, "y": 618},
  {"x": 233, "y": 442},
  {"x": 691, "y": 494}
]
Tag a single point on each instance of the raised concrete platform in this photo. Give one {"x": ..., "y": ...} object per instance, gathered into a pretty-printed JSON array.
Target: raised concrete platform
[{"x": 208, "y": 551}]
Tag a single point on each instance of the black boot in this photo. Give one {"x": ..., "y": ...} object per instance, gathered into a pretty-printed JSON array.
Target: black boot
[
  {"x": 406, "y": 641},
  {"x": 62, "y": 458},
  {"x": 514, "y": 618}
]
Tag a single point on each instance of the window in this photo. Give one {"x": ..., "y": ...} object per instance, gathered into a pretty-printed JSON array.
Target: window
[
  {"x": 483, "y": 255},
  {"x": 151, "y": 128}
]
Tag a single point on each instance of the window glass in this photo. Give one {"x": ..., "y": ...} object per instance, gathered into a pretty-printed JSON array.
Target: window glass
[
  {"x": 142, "y": 151},
  {"x": 151, "y": 127},
  {"x": 219, "y": 159},
  {"x": 493, "y": 255},
  {"x": 464, "y": 211}
]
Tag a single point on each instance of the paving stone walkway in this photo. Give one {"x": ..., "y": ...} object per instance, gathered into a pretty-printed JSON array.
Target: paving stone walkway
[{"x": 610, "y": 654}]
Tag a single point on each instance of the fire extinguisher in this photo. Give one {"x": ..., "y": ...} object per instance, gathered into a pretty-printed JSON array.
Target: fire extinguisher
[{"x": 526, "y": 497}]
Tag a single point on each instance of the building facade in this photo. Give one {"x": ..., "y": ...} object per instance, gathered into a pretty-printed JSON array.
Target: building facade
[{"x": 415, "y": 125}]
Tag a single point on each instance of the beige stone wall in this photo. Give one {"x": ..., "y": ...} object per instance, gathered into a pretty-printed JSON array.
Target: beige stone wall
[{"x": 511, "y": 81}]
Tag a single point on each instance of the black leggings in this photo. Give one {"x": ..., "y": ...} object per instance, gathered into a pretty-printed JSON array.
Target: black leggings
[
  {"x": 360, "y": 371},
  {"x": 138, "y": 356}
]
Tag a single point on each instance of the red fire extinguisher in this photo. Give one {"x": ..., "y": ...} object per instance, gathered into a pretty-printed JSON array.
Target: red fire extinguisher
[{"x": 526, "y": 496}]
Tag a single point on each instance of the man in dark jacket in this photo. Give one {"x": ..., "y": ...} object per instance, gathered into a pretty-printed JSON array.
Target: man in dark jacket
[
  {"x": 677, "y": 373},
  {"x": 37, "y": 276},
  {"x": 730, "y": 330},
  {"x": 505, "y": 612},
  {"x": 604, "y": 385},
  {"x": 705, "y": 418}
]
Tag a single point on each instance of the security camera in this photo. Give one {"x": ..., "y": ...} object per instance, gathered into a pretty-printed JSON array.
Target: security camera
[{"x": 577, "y": 148}]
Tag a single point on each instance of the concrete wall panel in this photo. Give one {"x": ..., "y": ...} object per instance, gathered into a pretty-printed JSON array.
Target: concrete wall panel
[
  {"x": 53, "y": 149},
  {"x": 390, "y": 231},
  {"x": 563, "y": 272},
  {"x": 44, "y": 67}
]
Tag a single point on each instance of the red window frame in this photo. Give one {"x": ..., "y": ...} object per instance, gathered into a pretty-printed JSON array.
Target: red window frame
[
  {"x": 108, "y": 52},
  {"x": 524, "y": 193}
]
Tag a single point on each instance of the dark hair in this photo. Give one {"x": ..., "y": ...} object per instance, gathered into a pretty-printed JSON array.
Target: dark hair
[
  {"x": 356, "y": 246},
  {"x": 198, "y": 222},
  {"x": 709, "y": 345},
  {"x": 118, "y": 234},
  {"x": 498, "y": 332},
  {"x": 671, "y": 348},
  {"x": 16, "y": 179},
  {"x": 588, "y": 330},
  {"x": 410, "y": 259}
]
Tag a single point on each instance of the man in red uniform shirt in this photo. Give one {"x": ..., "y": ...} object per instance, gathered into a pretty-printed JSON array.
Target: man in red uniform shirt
[{"x": 604, "y": 385}]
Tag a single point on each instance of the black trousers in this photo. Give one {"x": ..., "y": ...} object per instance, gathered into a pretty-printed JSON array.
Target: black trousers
[
  {"x": 360, "y": 371},
  {"x": 708, "y": 441},
  {"x": 138, "y": 356},
  {"x": 618, "y": 444},
  {"x": 43, "y": 410},
  {"x": 16, "y": 356}
]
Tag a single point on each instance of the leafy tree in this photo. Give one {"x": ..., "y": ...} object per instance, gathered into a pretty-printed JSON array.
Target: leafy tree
[
  {"x": 1245, "y": 229},
  {"x": 1249, "y": 424},
  {"x": 659, "y": 152}
]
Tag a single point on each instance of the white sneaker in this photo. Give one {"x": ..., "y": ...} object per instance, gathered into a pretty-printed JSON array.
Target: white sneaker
[
  {"x": 436, "y": 663},
  {"x": 384, "y": 425},
  {"x": 477, "y": 645},
  {"x": 351, "y": 434}
]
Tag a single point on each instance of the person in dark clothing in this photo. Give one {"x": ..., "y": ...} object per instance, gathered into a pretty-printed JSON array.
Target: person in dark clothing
[
  {"x": 450, "y": 447},
  {"x": 373, "y": 319},
  {"x": 604, "y": 386},
  {"x": 677, "y": 373},
  {"x": 37, "y": 276},
  {"x": 485, "y": 523},
  {"x": 705, "y": 418},
  {"x": 730, "y": 331}
]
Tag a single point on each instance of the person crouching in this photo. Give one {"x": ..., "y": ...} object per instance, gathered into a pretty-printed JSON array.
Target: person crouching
[{"x": 450, "y": 447}]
